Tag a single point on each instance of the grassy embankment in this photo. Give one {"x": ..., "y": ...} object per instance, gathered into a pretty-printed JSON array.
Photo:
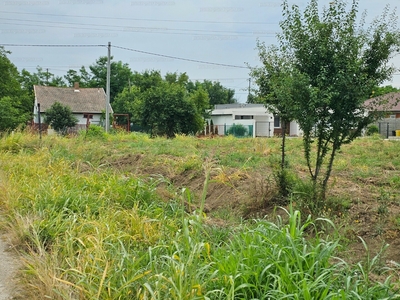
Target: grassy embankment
[{"x": 107, "y": 218}]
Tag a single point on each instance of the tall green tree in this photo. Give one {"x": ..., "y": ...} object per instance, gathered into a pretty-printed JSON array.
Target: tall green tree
[
  {"x": 182, "y": 78},
  {"x": 60, "y": 117},
  {"x": 166, "y": 109},
  {"x": 201, "y": 102},
  {"x": 10, "y": 117},
  {"x": 340, "y": 63},
  {"x": 217, "y": 93},
  {"x": 146, "y": 79},
  {"x": 163, "y": 106},
  {"x": 383, "y": 90},
  {"x": 127, "y": 102},
  {"x": 81, "y": 76},
  {"x": 120, "y": 76},
  {"x": 15, "y": 105},
  {"x": 40, "y": 77}
]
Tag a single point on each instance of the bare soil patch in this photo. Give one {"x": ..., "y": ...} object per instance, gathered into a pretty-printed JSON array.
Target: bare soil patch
[{"x": 9, "y": 265}]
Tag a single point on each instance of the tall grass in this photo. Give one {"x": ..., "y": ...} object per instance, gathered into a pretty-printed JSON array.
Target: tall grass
[{"x": 86, "y": 230}]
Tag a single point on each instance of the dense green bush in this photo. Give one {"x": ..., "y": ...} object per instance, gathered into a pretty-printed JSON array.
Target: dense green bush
[
  {"x": 238, "y": 130},
  {"x": 95, "y": 131},
  {"x": 372, "y": 129}
]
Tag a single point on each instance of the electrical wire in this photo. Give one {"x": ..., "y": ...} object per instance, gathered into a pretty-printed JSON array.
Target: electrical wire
[
  {"x": 50, "y": 45},
  {"x": 128, "y": 49},
  {"x": 141, "y": 19},
  {"x": 181, "y": 58},
  {"x": 129, "y": 28}
]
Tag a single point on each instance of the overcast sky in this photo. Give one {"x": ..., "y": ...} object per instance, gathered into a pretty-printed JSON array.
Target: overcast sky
[{"x": 216, "y": 31}]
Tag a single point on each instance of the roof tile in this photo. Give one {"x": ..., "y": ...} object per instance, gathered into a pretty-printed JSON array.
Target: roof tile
[{"x": 85, "y": 100}]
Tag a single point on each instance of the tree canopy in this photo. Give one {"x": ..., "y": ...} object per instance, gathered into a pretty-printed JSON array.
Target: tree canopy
[
  {"x": 217, "y": 93},
  {"x": 120, "y": 76},
  {"x": 383, "y": 90},
  {"x": 15, "y": 103},
  {"x": 163, "y": 106}
]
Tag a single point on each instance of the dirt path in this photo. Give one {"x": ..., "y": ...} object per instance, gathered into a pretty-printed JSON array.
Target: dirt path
[{"x": 8, "y": 269}]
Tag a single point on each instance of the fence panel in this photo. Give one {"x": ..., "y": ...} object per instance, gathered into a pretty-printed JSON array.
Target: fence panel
[
  {"x": 239, "y": 130},
  {"x": 388, "y": 127}
]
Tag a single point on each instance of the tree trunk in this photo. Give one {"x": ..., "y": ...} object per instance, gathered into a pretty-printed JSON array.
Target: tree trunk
[{"x": 283, "y": 144}]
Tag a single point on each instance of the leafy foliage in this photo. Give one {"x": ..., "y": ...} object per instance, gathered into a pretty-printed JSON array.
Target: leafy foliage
[
  {"x": 372, "y": 129},
  {"x": 10, "y": 116},
  {"x": 95, "y": 131},
  {"x": 217, "y": 93},
  {"x": 383, "y": 90},
  {"x": 15, "y": 104},
  {"x": 60, "y": 117},
  {"x": 166, "y": 110},
  {"x": 96, "y": 76},
  {"x": 237, "y": 130},
  {"x": 162, "y": 105},
  {"x": 201, "y": 100}
]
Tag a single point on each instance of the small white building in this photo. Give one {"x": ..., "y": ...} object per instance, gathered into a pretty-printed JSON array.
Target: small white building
[
  {"x": 86, "y": 104},
  {"x": 255, "y": 117}
]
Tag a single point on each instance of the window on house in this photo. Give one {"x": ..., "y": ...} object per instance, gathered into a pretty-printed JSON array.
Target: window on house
[
  {"x": 243, "y": 117},
  {"x": 85, "y": 116},
  {"x": 277, "y": 122}
]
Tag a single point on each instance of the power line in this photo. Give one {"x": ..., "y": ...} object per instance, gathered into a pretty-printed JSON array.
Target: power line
[
  {"x": 133, "y": 50},
  {"x": 50, "y": 45},
  {"x": 131, "y": 28},
  {"x": 181, "y": 58},
  {"x": 128, "y": 49},
  {"x": 140, "y": 19}
]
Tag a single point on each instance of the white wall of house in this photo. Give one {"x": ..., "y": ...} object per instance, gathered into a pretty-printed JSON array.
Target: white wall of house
[
  {"x": 245, "y": 114},
  {"x": 221, "y": 120},
  {"x": 295, "y": 129},
  {"x": 82, "y": 120}
]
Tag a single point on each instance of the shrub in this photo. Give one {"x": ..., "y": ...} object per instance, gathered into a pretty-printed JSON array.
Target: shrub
[
  {"x": 95, "y": 132},
  {"x": 60, "y": 117},
  {"x": 238, "y": 130},
  {"x": 372, "y": 129}
]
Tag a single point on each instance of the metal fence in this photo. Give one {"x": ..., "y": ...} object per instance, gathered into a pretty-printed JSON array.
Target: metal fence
[
  {"x": 387, "y": 127},
  {"x": 239, "y": 130}
]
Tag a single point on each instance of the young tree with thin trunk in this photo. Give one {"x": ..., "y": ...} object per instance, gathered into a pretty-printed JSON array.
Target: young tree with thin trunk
[
  {"x": 339, "y": 63},
  {"x": 280, "y": 86}
]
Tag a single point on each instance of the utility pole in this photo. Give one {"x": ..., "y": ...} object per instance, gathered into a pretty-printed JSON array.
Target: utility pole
[
  {"x": 248, "y": 96},
  {"x": 108, "y": 89},
  {"x": 40, "y": 123},
  {"x": 47, "y": 76}
]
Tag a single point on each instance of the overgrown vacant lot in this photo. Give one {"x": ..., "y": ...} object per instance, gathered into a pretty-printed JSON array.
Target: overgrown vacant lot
[{"x": 120, "y": 217}]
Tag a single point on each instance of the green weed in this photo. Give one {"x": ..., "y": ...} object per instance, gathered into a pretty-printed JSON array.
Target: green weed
[{"x": 89, "y": 229}]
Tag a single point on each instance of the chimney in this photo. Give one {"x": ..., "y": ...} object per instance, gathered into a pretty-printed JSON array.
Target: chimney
[{"x": 76, "y": 86}]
